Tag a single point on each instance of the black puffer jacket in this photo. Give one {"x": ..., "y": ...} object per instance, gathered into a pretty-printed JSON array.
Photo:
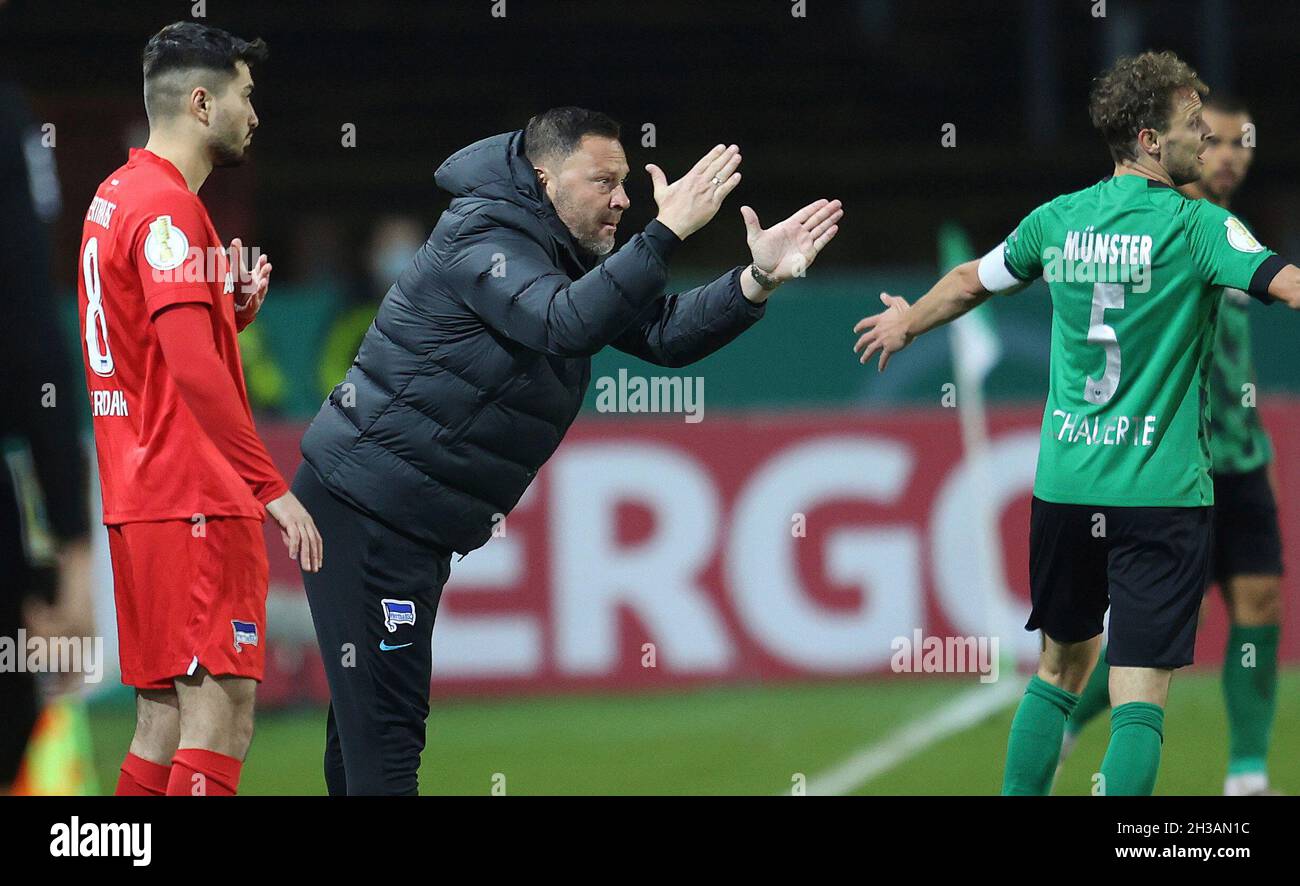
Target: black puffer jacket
[{"x": 479, "y": 356}]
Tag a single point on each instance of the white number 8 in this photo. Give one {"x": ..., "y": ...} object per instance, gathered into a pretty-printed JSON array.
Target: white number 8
[{"x": 97, "y": 350}]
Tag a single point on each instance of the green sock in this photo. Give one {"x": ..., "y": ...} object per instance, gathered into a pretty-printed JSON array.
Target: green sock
[
  {"x": 1095, "y": 697},
  {"x": 1137, "y": 730},
  {"x": 1250, "y": 692},
  {"x": 1035, "y": 741}
]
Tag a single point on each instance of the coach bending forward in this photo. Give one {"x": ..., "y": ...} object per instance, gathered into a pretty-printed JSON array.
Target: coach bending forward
[{"x": 464, "y": 385}]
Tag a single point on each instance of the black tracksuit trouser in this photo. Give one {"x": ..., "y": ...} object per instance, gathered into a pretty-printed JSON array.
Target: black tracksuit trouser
[{"x": 373, "y": 604}]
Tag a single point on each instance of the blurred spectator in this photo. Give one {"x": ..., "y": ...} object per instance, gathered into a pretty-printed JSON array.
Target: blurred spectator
[
  {"x": 44, "y": 515},
  {"x": 392, "y": 243}
]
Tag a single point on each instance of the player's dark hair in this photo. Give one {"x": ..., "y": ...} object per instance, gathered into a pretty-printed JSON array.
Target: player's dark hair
[
  {"x": 1135, "y": 94},
  {"x": 189, "y": 46},
  {"x": 1225, "y": 103},
  {"x": 555, "y": 134}
]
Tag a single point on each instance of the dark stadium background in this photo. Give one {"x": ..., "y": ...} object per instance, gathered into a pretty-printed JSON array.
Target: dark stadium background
[{"x": 849, "y": 101}]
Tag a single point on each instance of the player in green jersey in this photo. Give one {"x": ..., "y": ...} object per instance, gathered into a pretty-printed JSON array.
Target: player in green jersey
[
  {"x": 1120, "y": 514},
  {"x": 1246, "y": 557}
]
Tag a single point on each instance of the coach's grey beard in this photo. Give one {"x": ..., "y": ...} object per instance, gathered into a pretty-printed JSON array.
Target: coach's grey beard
[{"x": 593, "y": 243}]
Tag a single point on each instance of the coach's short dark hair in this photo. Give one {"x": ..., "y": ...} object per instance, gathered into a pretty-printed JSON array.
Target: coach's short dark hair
[
  {"x": 184, "y": 48},
  {"x": 1136, "y": 94},
  {"x": 555, "y": 134}
]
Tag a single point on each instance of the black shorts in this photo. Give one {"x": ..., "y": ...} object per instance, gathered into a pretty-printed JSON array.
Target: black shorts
[
  {"x": 1247, "y": 540},
  {"x": 1148, "y": 565}
]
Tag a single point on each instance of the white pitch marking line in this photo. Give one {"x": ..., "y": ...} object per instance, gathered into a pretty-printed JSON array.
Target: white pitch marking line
[{"x": 966, "y": 710}]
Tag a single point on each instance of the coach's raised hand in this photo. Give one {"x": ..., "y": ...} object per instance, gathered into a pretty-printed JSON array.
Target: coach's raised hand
[
  {"x": 299, "y": 531},
  {"x": 785, "y": 250},
  {"x": 689, "y": 203}
]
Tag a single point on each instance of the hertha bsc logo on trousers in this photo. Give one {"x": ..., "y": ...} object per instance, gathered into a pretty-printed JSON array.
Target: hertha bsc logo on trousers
[
  {"x": 245, "y": 633},
  {"x": 398, "y": 612}
]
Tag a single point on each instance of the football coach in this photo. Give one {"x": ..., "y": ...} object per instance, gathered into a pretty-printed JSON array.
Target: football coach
[{"x": 475, "y": 366}]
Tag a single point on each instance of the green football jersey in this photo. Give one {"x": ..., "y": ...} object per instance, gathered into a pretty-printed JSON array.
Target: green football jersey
[
  {"x": 1238, "y": 443},
  {"x": 1135, "y": 272}
]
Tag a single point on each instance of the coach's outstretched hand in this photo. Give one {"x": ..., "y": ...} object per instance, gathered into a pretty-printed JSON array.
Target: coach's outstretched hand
[
  {"x": 690, "y": 203},
  {"x": 885, "y": 332},
  {"x": 785, "y": 250},
  {"x": 299, "y": 532}
]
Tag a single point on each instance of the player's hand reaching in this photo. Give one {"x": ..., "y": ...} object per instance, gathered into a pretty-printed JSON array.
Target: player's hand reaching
[
  {"x": 690, "y": 203},
  {"x": 885, "y": 332},
  {"x": 250, "y": 286},
  {"x": 786, "y": 249},
  {"x": 299, "y": 532}
]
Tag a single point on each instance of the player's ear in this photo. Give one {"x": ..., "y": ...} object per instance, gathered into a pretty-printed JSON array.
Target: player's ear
[
  {"x": 201, "y": 103},
  {"x": 1149, "y": 141}
]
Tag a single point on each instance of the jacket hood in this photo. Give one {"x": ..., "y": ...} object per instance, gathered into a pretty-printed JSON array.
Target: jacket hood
[
  {"x": 495, "y": 168},
  {"x": 492, "y": 168}
]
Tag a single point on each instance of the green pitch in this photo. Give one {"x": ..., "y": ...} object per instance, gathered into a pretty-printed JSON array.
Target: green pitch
[{"x": 738, "y": 740}]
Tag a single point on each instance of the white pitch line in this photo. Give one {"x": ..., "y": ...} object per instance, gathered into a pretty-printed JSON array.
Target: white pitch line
[{"x": 966, "y": 710}]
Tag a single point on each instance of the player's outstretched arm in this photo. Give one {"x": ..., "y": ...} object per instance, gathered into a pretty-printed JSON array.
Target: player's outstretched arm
[{"x": 893, "y": 329}]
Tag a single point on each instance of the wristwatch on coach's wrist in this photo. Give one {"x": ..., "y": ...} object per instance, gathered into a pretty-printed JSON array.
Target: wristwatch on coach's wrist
[{"x": 762, "y": 279}]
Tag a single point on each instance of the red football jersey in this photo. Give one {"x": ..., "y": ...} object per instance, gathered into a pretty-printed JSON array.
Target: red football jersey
[{"x": 148, "y": 243}]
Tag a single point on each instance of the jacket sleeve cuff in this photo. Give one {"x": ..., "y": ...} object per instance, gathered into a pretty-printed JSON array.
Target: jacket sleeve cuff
[
  {"x": 661, "y": 240},
  {"x": 748, "y": 308}
]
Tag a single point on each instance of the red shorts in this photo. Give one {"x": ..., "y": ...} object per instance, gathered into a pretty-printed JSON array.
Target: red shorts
[{"x": 189, "y": 596}]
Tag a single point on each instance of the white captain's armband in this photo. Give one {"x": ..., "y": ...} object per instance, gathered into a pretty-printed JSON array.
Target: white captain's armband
[{"x": 994, "y": 275}]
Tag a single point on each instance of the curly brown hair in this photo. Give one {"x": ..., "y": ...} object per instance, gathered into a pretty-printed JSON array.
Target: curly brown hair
[{"x": 1135, "y": 94}]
